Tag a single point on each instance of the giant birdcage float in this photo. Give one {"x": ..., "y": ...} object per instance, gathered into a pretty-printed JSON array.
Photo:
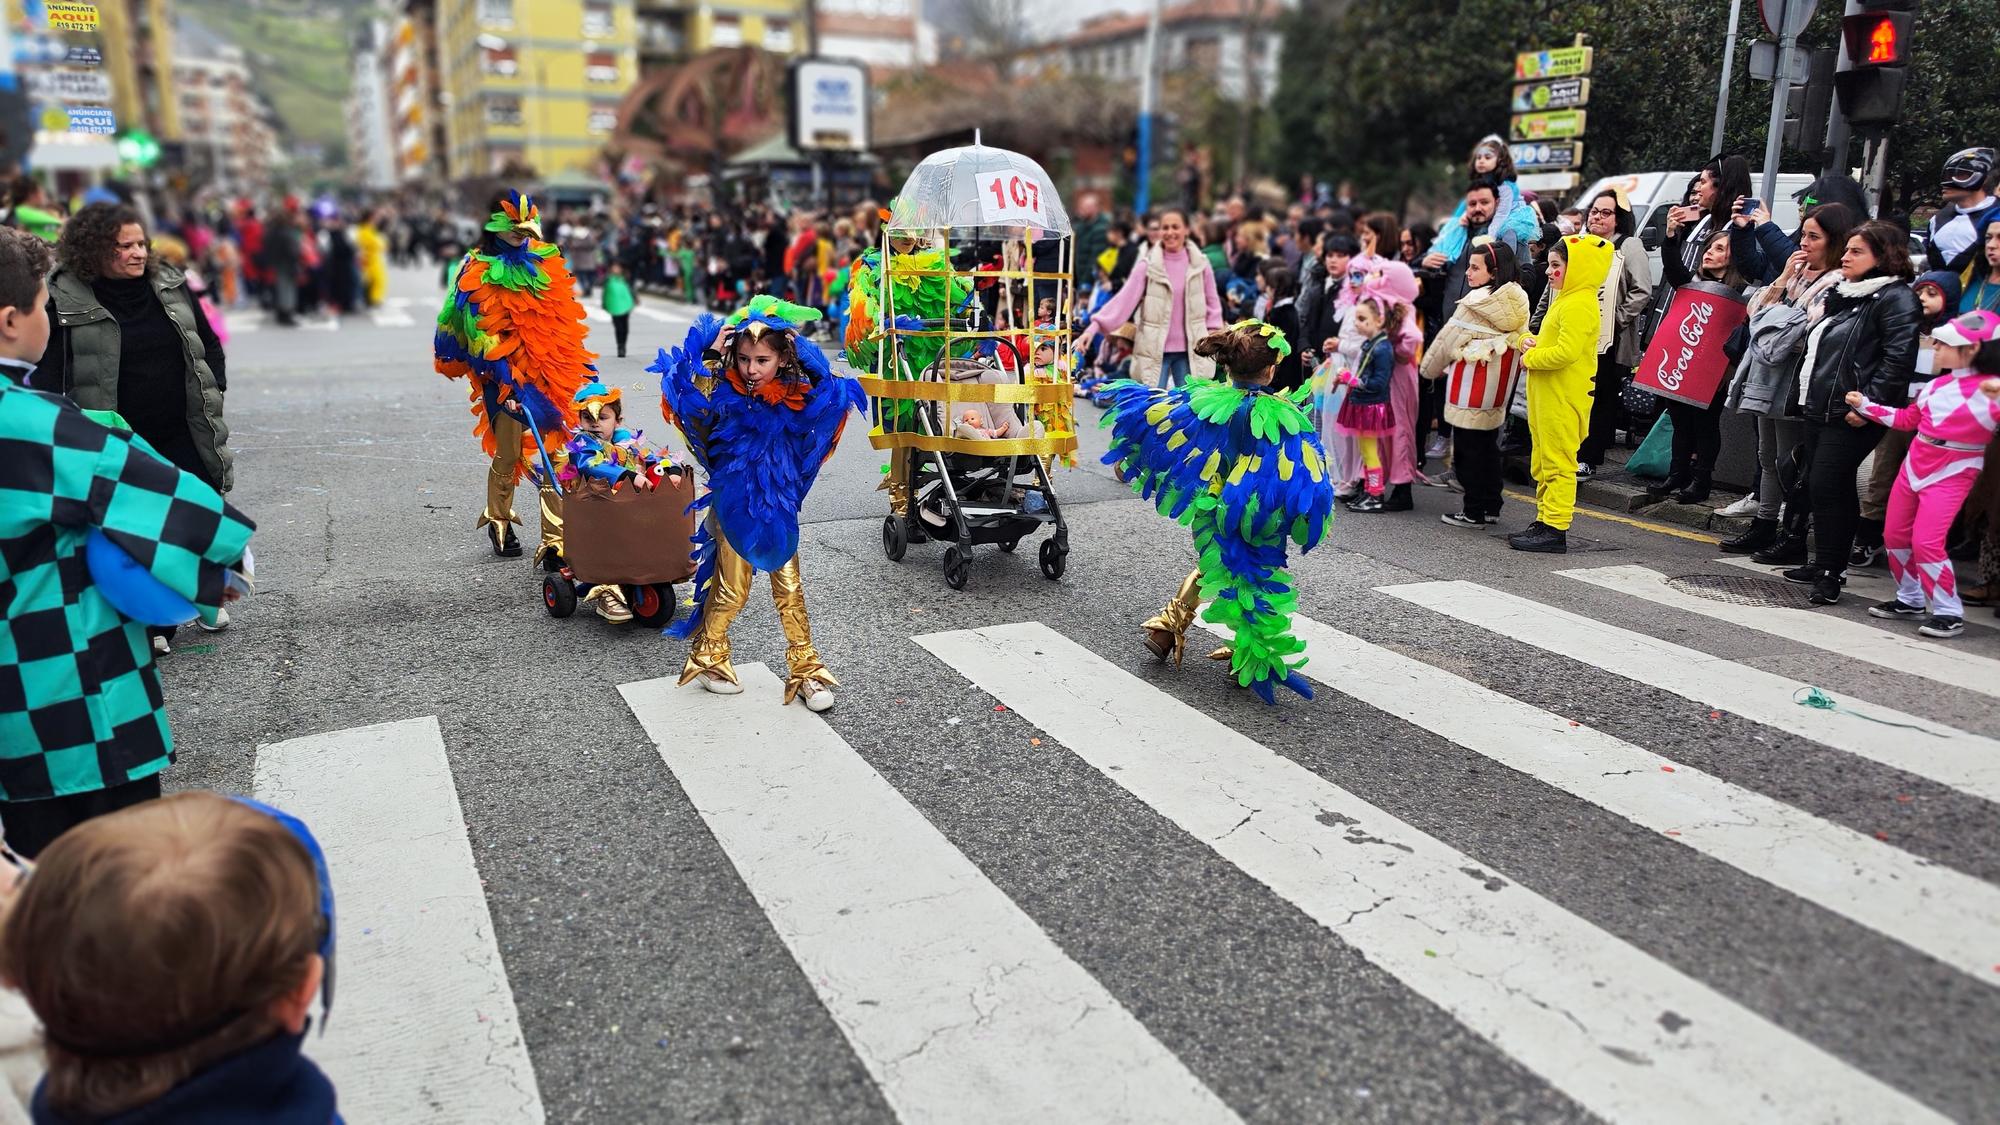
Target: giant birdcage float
[{"x": 972, "y": 389}]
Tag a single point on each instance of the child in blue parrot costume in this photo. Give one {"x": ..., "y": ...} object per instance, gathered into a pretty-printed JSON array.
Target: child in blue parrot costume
[
  {"x": 762, "y": 410},
  {"x": 1242, "y": 467}
]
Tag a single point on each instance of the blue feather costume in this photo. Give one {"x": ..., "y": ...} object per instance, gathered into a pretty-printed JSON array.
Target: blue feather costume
[
  {"x": 1243, "y": 469},
  {"x": 762, "y": 449}
]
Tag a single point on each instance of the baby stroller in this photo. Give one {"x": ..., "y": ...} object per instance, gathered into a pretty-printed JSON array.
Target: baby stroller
[
  {"x": 964, "y": 495},
  {"x": 640, "y": 541},
  {"x": 984, "y": 479}
]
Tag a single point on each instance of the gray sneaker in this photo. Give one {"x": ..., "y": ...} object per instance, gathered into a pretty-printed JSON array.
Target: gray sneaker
[{"x": 1893, "y": 610}]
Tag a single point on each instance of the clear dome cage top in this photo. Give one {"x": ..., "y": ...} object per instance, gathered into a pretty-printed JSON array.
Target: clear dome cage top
[{"x": 980, "y": 193}]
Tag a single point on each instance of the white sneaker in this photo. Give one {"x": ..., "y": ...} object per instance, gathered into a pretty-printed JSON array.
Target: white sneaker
[
  {"x": 1436, "y": 448},
  {"x": 1744, "y": 507},
  {"x": 816, "y": 696},
  {"x": 716, "y": 685},
  {"x": 221, "y": 621},
  {"x": 161, "y": 647}
]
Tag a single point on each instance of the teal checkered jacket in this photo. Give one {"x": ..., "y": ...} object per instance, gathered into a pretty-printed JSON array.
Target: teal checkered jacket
[{"x": 80, "y": 702}]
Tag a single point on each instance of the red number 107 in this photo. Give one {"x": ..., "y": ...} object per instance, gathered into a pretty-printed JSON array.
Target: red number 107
[{"x": 1024, "y": 193}]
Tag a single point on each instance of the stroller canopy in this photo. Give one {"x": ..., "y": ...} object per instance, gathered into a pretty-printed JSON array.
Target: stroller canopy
[{"x": 980, "y": 193}]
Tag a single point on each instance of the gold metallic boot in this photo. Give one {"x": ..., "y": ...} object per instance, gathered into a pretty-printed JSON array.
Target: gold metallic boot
[
  {"x": 1166, "y": 631},
  {"x": 807, "y": 675},
  {"x": 499, "y": 516},
  {"x": 896, "y": 482},
  {"x": 708, "y": 648},
  {"x": 550, "y": 556}
]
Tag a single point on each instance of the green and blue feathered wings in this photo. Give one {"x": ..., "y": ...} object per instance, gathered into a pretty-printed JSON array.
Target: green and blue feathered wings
[
  {"x": 1250, "y": 456},
  {"x": 1244, "y": 471}
]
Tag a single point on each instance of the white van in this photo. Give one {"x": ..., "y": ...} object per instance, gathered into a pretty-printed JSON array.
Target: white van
[{"x": 1652, "y": 193}]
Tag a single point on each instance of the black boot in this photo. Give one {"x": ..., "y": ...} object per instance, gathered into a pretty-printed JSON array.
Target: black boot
[
  {"x": 1826, "y": 589},
  {"x": 1790, "y": 549},
  {"x": 504, "y": 543},
  {"x": 1697, "y": 489},
  {"x": 1679, "y": 477},
  {"x": 1762, "y": 534},
  {"x": 1398, "y": 499}
]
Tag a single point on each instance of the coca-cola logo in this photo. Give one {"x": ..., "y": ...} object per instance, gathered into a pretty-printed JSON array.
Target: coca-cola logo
[{"x": 1674, "y": 362}]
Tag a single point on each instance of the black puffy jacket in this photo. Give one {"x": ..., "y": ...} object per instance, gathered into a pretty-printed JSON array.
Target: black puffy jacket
[{"x": 1869, "y": 345}]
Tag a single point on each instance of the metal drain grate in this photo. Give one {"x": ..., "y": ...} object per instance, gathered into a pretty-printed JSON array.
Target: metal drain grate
[{"x": 1737, "y": 589}]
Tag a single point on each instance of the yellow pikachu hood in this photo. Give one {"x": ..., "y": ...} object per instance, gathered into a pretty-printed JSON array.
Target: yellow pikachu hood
[{"x": 1589, "y": 262}]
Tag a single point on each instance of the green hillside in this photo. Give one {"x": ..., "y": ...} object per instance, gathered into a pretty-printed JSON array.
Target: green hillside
[{"x": 299, "y": 55}]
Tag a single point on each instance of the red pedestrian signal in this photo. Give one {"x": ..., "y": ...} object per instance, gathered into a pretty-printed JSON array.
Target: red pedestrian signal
[
  {"x": 1874, "y": 63},
  {"x": 1883, "y": 45},
  {"x": 1877, "y": 38}
]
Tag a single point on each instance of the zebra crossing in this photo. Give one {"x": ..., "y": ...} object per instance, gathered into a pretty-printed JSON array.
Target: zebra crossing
[{"x": 959, "y": 1004}]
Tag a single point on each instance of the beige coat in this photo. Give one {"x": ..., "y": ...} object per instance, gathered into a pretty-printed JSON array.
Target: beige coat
[
  {"x": 1486, "y": 323},
  {"x": 1156, "y": 315}
]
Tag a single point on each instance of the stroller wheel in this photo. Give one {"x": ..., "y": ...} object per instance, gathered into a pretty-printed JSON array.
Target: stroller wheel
[
  {"x": 895, "y": 538},
  {"x": 1054, "y": 558},
  {"x": 652, "y": 606},
  {"x": 1008, "y": 545},
  {"x": 957, "y": 567},
  {"x": 558, "y": 596}
]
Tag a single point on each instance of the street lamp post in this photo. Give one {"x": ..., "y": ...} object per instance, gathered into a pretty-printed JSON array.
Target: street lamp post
[{"x": 1728, "y": 68}]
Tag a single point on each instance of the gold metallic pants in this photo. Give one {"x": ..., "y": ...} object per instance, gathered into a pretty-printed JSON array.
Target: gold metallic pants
[
  {"x": 1177, "y": 615},
  {"x": 708, "y": 649},
  {"x": 507, "y": 437}
]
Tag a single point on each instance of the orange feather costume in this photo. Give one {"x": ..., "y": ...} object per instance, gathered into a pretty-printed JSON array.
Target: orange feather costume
[{"x": 513, "y": 327}]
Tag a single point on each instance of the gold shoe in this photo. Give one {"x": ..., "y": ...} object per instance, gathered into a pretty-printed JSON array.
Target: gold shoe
[
  {"x": 1223, "y": 653},
  {"x": 1165, "y": 644},
  {"x": 610, "y": 604}
]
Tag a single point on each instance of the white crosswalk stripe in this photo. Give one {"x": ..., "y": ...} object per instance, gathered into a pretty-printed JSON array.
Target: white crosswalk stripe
[
  {"x": 1949, "y": 915},
  {"x": 1866, "y": 585},
  {"x": 952, "y": 997},
  {"x": 1901, "y": 650},
  {"x": 1550, "y": 989},
  {"x": 1966, "y": 762},
  {"x": 424, "y": 1026}
]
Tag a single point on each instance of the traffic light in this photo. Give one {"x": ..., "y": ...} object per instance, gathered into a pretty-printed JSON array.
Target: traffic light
[{"x": 1874, "y": 61}]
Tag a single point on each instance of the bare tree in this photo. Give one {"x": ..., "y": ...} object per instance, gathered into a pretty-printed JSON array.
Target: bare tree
[{"x": 998, "y": 31}]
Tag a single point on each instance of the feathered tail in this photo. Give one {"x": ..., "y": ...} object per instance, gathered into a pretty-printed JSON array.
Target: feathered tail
[{"x": 704, "y": 570}]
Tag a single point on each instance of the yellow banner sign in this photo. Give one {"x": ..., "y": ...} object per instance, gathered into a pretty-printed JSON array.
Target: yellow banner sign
[
  {"x": 1559, "y": 62},
  {"x": 67, "y": 15}
]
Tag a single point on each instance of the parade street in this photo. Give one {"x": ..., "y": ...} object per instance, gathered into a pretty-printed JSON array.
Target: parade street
[{"x": 1557, "y": 839}]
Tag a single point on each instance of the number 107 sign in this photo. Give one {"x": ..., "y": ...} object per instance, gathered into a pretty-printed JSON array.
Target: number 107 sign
[{"x": 1009, "y": 197}]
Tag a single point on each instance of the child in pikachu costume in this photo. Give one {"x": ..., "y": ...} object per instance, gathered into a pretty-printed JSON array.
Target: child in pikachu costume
[{"x": 1561, "y": 363}]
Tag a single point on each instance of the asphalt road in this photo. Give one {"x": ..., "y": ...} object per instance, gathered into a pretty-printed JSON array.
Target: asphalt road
[{"x": 665, "y": 960}]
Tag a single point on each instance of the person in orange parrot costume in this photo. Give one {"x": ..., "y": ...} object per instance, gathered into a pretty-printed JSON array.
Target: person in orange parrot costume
[{"x": 512, "y": 326}]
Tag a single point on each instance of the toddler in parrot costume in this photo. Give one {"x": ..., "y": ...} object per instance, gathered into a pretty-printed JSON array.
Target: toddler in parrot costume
[
  {"x": 511, "y": 324},
  {"x": 762, "y": 410},
  {"x": 1242, "y": 467},
  {"x": 919, "y": 291}
]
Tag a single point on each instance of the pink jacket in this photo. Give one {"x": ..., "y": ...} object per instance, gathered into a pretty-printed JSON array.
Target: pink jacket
[{"x": 1950, "y": 409}]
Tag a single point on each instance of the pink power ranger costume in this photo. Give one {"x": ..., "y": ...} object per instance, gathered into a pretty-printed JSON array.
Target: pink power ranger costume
[{"x": 1954, "y": 419}]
